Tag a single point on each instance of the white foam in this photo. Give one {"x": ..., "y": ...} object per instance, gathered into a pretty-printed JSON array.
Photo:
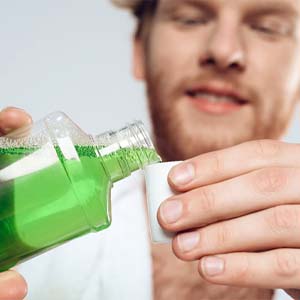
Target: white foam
[{"x": 37, "y": 160}]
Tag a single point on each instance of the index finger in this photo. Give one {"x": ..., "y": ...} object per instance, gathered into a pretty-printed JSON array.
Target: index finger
[
  {"x": 224, "y": 164},
  {"x": 12, "y": 118}
]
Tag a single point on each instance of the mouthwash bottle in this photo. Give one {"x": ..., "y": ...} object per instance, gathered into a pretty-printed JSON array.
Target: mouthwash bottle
[{"x": 55, "y": 182}]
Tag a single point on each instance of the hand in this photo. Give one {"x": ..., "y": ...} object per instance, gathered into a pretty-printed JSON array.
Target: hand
[
  {"x": 12, "y": 285},
  {"x": 239, "y": 214}
]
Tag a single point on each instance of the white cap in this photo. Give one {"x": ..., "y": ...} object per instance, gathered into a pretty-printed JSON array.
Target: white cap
[{"x": 158, "y": 190}]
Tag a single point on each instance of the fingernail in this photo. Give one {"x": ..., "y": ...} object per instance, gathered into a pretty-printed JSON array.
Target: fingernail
[
  {"x": 171, "y": 211},
  {"x": 212, "y": 266},
  {"x": 182, "y": 174},
  {"x": 188, "y": 241}
]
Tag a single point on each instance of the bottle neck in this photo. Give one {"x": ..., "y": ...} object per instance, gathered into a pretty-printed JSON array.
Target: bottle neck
[{"x": 125, "y": 151}]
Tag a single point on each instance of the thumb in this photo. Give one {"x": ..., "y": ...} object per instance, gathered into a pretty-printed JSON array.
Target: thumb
[
  {"x": 12, "y": 118},
  {"x": 12, "y": 286}
]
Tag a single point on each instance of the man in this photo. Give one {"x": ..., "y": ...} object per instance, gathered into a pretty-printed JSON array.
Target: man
[{"x": 220, "y": 73}]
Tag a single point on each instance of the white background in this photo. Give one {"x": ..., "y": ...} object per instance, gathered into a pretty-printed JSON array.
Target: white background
[
  {"x": 74, "y": 56},
  {"x": 69, "y": 55}
]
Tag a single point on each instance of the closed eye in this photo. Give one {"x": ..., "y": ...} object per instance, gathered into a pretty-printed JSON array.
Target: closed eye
[
  {"x": 192, "y": 21},
  {"x": 264, "y": 29}
]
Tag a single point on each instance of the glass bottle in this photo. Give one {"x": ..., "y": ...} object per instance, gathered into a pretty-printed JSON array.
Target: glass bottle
[{"x": 55, "y": 182}]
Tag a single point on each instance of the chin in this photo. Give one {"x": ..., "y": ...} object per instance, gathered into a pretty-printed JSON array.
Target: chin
[
  {"x": 184, "y": 142},
  {"x": 182, "y": 132}
]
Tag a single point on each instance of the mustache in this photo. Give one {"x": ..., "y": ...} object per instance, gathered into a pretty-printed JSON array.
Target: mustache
[{"x": 228, "y": 80}]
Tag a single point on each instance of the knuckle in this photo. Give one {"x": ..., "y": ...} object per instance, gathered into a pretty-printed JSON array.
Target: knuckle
[
  {"x": 241, "y": 273},
  {"x": 283, "y": 218},
  {"x": 267, "y": 148},
  {"x": 223, "y": 235},
  {"x": 270, "y": 180},
  {"x": 217, "y": 164},
  {"x": 207, "y": 199},
  {"x": 286, "y": 263}
]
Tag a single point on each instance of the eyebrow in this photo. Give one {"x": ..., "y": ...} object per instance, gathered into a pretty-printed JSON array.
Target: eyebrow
[
  {"x": 170, "y": 5},
  {"x": 274, "y": 7},
  {"x": 262, "y": 7}
]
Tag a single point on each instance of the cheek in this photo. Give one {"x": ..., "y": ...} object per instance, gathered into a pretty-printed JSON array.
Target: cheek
[
  {"x": 292, "y": 77},
  {"x": 274, "y": 69},
  {"x": 173, "y": 52}
]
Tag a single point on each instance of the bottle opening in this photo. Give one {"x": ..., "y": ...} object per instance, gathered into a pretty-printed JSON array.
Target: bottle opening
[{"x": 126, "y": 150}]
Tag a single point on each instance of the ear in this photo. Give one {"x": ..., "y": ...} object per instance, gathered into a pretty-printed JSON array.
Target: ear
[{"x": 138, "y": 59}]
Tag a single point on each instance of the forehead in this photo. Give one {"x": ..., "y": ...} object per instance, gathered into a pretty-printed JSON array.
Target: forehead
[{"x": 291, "y": 6}]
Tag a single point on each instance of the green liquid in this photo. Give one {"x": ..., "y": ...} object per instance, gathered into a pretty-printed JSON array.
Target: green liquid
[{"x": 67, "y": 199}]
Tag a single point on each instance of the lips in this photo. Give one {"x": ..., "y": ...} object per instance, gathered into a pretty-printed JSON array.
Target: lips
[{"x": 216, "y": 98}]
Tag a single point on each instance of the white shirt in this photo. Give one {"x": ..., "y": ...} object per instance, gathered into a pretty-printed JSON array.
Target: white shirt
[{"x": 113, "y": 264}]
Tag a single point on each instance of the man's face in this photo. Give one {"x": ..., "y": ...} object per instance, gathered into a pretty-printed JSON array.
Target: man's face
[{"x": 220, "y": 72}]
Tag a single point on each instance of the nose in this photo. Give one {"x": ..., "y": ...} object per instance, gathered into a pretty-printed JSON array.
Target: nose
[{"x": 225, "y": 49}]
